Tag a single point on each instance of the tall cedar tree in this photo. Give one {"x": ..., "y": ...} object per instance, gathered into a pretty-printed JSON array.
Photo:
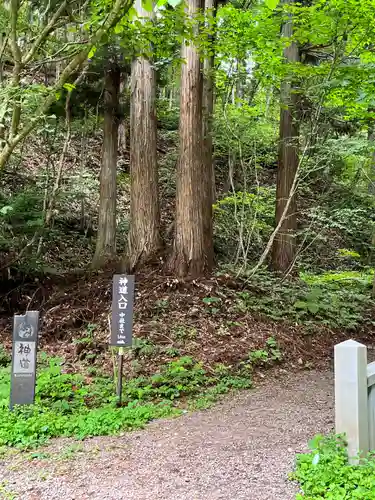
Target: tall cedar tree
[
  {"x": 192, "y": 253},
  {"x": 284, "y": 246},
  {"x": 144, "y": 235},
  {"x": 105, "y": 251},
  {"x": 208, "y": 94}
]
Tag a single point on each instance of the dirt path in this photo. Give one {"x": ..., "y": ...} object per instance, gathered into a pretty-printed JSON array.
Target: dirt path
[{"x": 241, "y": 449}]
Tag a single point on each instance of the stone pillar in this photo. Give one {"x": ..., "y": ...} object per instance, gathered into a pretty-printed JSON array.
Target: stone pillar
[{"x": 351, "y": 406}]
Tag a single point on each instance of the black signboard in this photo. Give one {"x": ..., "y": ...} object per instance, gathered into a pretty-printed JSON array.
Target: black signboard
[
  {"x": 122, "y": 310},
  {"x": 25, "y": 340}
]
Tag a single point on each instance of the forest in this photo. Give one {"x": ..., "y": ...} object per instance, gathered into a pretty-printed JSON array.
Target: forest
[
  {"x": 221, "y": 151},
  {"x": 195, "y": 139}
]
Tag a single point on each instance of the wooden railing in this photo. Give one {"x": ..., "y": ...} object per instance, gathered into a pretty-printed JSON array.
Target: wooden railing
[{"x": 355, "y": 398}]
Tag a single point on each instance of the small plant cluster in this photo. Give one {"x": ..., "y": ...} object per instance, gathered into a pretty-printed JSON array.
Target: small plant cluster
[
  {"x": 69, "y": 404},
  {"x": 268, "y": 355},
  {"x": 5, "y": 493},
  {"x": 324, "y": 472},
  {"x": 335, "y": 300}
]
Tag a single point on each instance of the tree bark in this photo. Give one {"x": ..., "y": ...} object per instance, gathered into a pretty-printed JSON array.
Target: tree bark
[
  {"x": 105, "y": 251},
  {"x": 284, "y": 246},
  {"x": 371, "y": 140},
  {"x": 192, "y": 253},
  {"x": 371, "y": 184},
  {"x": 208, "y": 103},
  {"x": 144, "y": 235}
]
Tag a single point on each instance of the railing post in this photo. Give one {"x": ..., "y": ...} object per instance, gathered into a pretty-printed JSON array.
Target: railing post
[
  {"x": 351, "y": 405},
  {"x": 371, "y": 417},
  {"x": 371, "y": 405}
]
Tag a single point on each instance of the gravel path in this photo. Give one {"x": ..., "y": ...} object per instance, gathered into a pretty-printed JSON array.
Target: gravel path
[{"x": 241, "y": 449}]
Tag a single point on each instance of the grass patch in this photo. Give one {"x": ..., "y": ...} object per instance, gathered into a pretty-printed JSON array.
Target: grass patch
[
  {"x": 72, "y": 405},
  {"x": 324, "y": 472}
]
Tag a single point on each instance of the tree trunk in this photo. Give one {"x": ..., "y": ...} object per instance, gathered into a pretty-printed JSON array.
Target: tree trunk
[
  {"x": 371, "y": 140},
  {"x": 208, "y": 104},
  {"x": 193, "y": 247},
  {"x": 123, "y": 129},
  {"x": 144, "y": 235},
  {"x": 106, "y": 237},
  {"x": 284, "y": 246},
  {"x": 371, "y": 184}
]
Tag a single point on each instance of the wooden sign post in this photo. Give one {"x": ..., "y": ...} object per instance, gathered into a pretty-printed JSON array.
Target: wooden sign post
[{"x": 122, "y": 319}]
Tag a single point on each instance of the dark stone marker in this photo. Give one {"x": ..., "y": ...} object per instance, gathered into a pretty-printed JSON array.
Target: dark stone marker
[
  {"x": 122, "y": 310},
  {"x": 25, "y": 340}
]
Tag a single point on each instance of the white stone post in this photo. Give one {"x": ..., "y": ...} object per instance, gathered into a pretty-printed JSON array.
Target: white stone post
[{"x": 351, "y": 411}]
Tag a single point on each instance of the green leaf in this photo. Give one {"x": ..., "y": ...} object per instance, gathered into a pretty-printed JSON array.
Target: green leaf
[
  {"x": 271, "y": 4},
  {"x": 91, "y": 53},
  {"x": 132, "y": 13},
  {"x": 316, "y": 459},
  {"x": 300, "y": 304},
  {"x": 6, "y": 209},
  {"x": 148, "y": 5},
  {"x": 69, "y": 87},
  {"x": 313, "y": 307},
  {"x": 211, "y": 300}
]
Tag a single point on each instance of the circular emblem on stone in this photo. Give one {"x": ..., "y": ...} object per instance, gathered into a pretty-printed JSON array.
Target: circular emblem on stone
[{"x": 25, "y": 331}]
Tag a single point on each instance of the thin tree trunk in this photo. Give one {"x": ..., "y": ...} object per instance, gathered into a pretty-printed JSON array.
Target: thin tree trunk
[
  {"x": 118, "y": 10},
  {"x": 124, "y": 103},
  {"x": 208, "y": 104},
  {"x": 171, "y": 98},
  {"x": 17, "y": 68},
  {"x": 3, "y": 43},
  {"x": 284, "y": 246},
  {"x": 371, "y": 140},
  {"x": 105, "y": 251},
  {"x": 144, "y": 235},
  {"x": 371, "y": 184},
  {"x": 193, "y": 249}
]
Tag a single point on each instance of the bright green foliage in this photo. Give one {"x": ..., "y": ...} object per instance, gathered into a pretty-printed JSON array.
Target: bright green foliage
[
  {"x": 254, "y": 31},
  {"x": 72, "y": 405},
  {"x": 244, "y": 220},
  {"x": 324, "y": 473},
  {"x": 334, "y": 300}
]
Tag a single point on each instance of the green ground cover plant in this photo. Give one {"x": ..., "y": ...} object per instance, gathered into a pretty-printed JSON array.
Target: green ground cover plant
[
  {"x": 332, "y": 299},
  {"x": 324, "y": 472},
  {"x": 68, "y": 404}
]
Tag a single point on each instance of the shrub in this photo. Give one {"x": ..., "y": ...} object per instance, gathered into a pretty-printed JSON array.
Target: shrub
[{"x": 244, "y": 220}]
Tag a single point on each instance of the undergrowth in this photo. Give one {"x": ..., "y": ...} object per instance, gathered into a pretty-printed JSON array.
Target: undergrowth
[
  {"x": 336, "y": 300},
  {"x": 75, "y": 405},
  {"x": 324, "y": 472}
]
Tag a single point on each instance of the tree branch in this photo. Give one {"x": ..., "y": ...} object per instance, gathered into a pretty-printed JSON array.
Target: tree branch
[
  {"x": 16, "y": 53},
  {"x": 119, "y": 9},
  {"x": 45, "y": 32}
]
